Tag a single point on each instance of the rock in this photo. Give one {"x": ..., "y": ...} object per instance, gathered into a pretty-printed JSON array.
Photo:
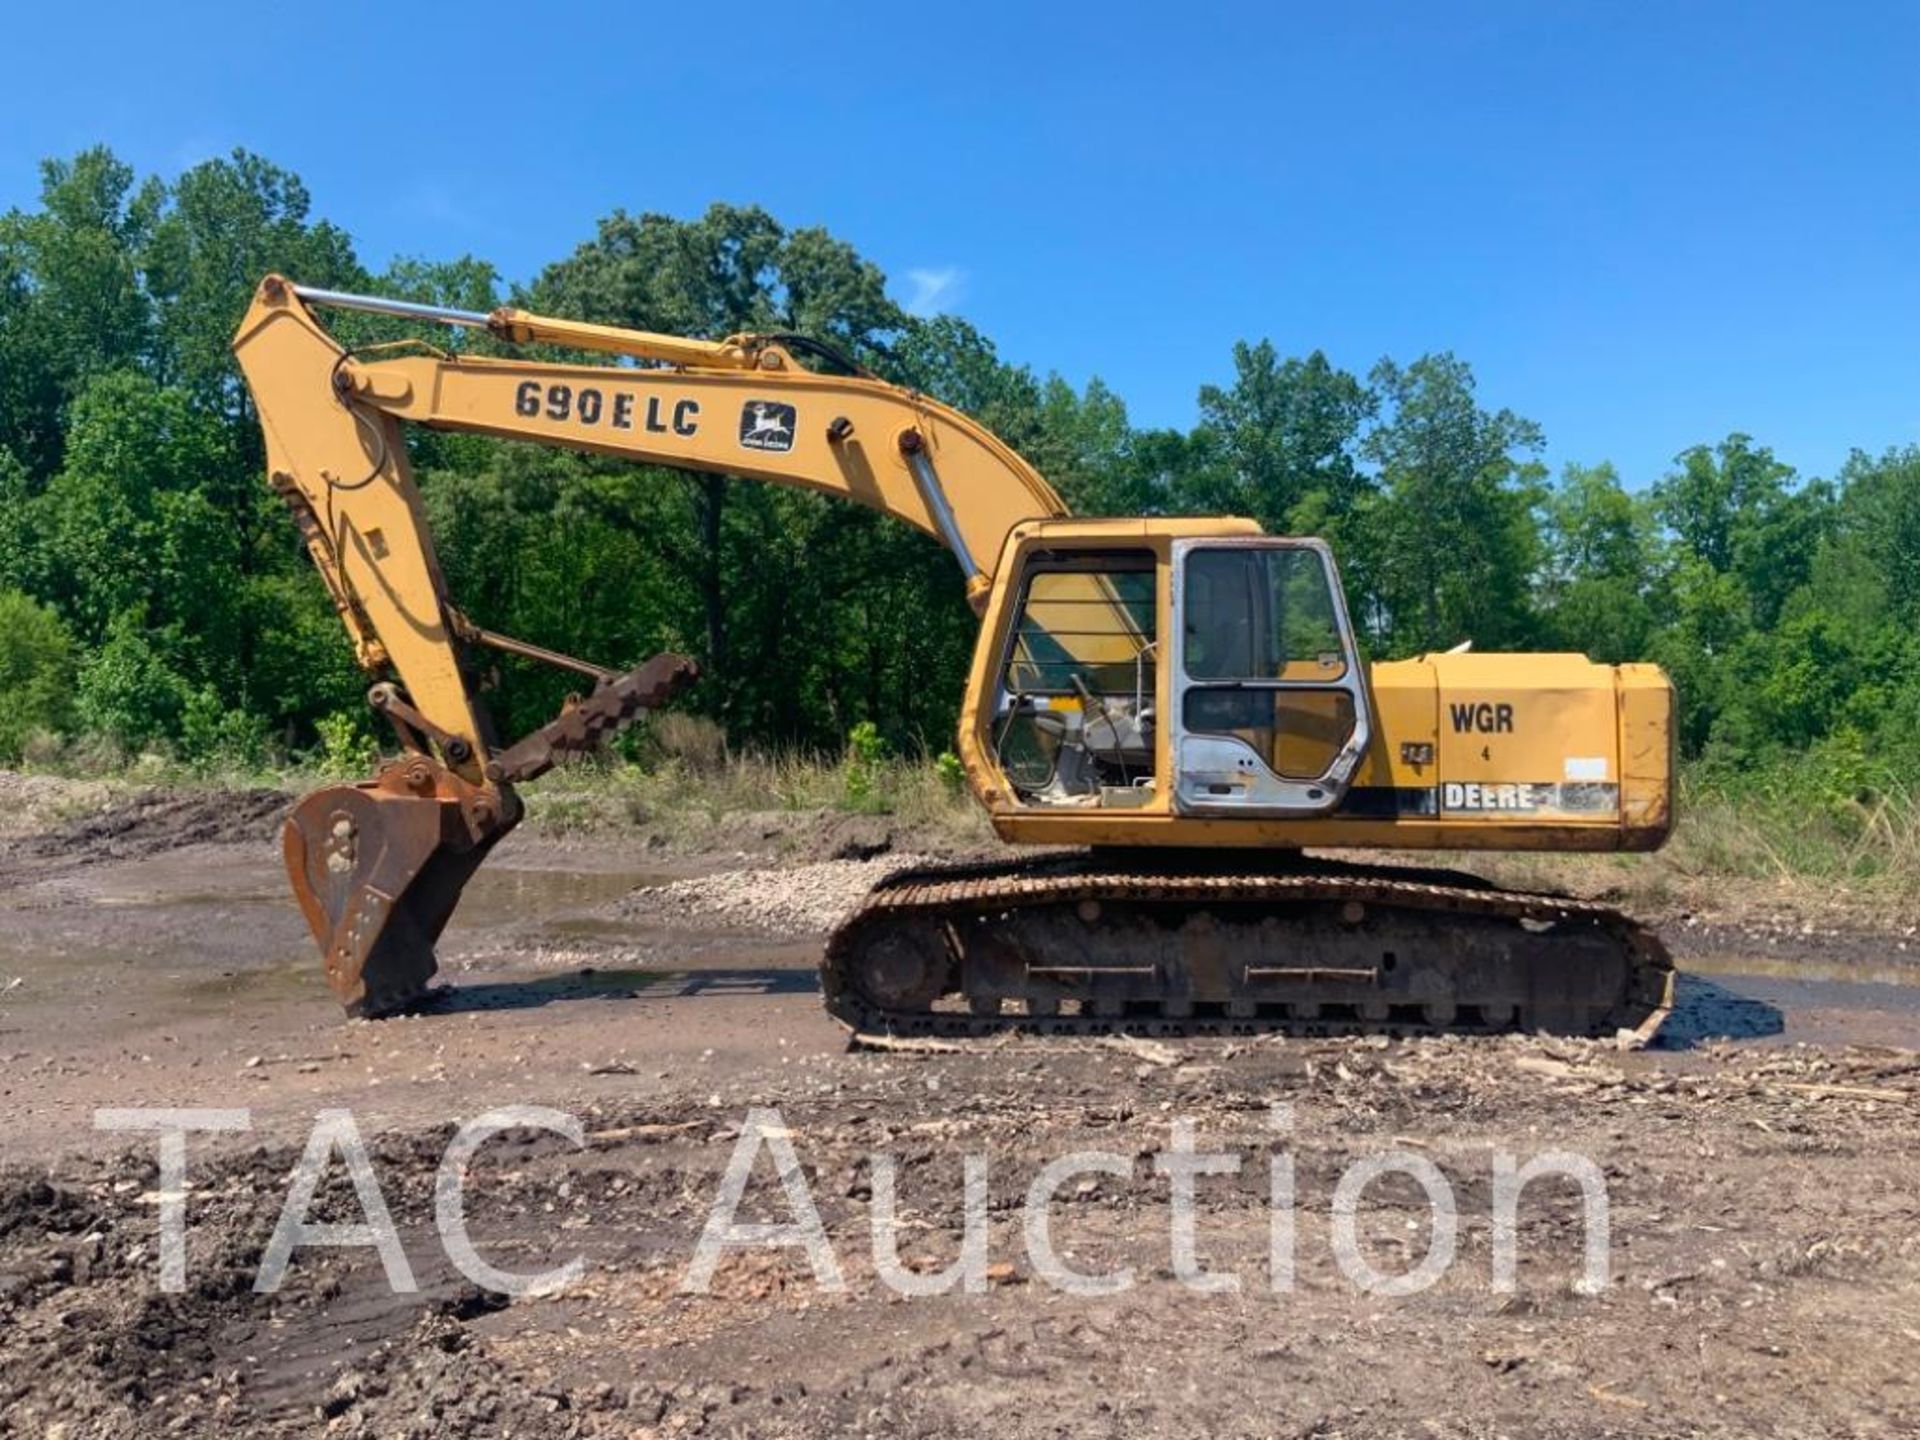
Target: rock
[
  {"x": 794, "y": 900},
  {"x": 344, "y": 1395},
  {"x": 647, "y": 1402}
]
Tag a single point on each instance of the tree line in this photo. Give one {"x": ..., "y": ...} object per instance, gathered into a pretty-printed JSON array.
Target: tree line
[{"x": 153, "y": 593}]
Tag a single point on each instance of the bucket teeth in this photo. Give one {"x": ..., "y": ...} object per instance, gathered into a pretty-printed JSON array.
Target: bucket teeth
[{"x": 378, "y": 868}]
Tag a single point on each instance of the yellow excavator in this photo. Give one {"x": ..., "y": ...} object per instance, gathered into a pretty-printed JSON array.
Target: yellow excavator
[{"x": 1181, "y": 701}]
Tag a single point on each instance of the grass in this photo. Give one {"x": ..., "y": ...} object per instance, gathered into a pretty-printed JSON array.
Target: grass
[
  {"x": 1771, "y": 837},
  {"x": 688, "y": 805},
  {"x": 691, "y": 789},
  {"x": 1785, "y": 828}
]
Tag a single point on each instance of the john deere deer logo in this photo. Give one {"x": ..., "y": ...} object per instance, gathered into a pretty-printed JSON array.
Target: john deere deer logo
[{"x": 766, "y": 425}]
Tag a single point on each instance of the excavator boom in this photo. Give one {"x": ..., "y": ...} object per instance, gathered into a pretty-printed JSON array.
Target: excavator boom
[{"x": 378, "y": 867}]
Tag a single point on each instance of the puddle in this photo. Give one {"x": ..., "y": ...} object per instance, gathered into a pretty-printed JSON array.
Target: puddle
[
  {"x": 499, "y": 896},
  {"x": 274, "y": 981},
  {"x": 590, "y": 927},
  {"x": 1775, "y": 967},
  {"x": 159, "y": 900},
  {"x": 1792, "y": 1005}
]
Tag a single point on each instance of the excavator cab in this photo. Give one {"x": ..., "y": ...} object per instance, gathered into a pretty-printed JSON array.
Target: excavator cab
[{"x": 1260, "y": 707}]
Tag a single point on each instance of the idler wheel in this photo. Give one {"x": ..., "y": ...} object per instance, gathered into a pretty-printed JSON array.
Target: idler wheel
[{"x": 904, "y": 971}]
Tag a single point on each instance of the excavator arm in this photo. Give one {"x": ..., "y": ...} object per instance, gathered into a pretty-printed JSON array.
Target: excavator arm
[{"x": 378, "y": 867}]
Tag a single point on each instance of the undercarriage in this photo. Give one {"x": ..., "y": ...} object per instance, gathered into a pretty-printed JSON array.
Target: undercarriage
[{"x": 1095, "y": 943}]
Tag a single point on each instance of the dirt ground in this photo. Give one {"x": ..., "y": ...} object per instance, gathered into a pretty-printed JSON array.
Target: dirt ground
[{"x": 1761, "y": 1167}]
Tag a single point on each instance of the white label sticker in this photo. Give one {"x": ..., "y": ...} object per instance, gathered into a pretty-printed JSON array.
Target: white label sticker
[
  {"x": 1586, "y": 767},
  {"x": 1457, "y": 796}
]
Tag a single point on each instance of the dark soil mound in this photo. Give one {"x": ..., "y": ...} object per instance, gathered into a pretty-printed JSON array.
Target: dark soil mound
[{"x": 160, "y": 820}]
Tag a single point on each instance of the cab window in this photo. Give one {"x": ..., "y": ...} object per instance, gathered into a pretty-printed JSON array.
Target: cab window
[
  {"x": 1091, "y": 625},
  {"x": 1074, "y": 723},
  {"x": 1261, "y": 614}
]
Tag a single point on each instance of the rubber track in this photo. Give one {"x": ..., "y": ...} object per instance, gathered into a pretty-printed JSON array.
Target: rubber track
[{"x": 960, "y": 890}]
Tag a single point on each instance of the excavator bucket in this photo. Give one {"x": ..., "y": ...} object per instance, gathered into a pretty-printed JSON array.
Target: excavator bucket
[{"x": 378, "y": 868}]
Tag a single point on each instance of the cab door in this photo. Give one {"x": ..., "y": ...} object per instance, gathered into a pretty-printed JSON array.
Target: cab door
[{"x": 1270, "y": 708}]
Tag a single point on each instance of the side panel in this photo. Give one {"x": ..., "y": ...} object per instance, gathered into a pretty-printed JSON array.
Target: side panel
[
  {"x": 1398, "y": 777},
  {"x": 1527, "y": 737},
  {"x": 1647, "y": 756}
]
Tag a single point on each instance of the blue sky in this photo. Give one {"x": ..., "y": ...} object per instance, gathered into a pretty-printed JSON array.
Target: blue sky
[{"x": 1644, "y": 226}]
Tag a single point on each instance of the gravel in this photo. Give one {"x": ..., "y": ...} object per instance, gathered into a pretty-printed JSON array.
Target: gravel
[{"x": 796, "y": 900}]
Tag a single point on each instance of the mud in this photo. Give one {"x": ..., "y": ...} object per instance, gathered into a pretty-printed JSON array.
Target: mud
[
  {"x": 152, "y": 823},
  {"x": 1762, "y": 1168}
]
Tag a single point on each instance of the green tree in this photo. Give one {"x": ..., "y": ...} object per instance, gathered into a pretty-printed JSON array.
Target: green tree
[
  {"x": 1280, "y": 443},
  {"x": 1876, "y": 526},
  {"x": 127, "y": 523},
  {"x": 71, "y": 303},
  {"x": 22, "y": 558},
  {"x": 1158, "y": 465},
  {"x": 1595, "y": 589},
  {"x": 36, "y": 672},
  {"x": 227, "y": 223},
  {"x": 1453, "y": 533},
  {"x": 1709, "y": 616},
  {"x": 1735, "y": 508},
  {"x": 1080, "y": 440},
  {"x": 128, "y": 690},
  {"x": 795, "y": 637},
  {"x": 147, "y": 572}
]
